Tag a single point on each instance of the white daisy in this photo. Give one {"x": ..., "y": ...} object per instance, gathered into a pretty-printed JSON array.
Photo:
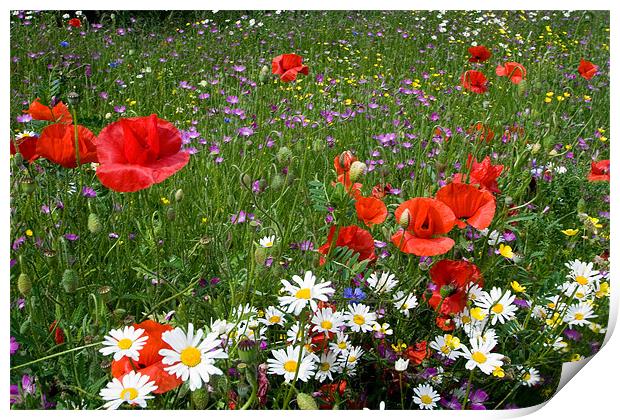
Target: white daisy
[
  {"x": 133, "y": 388},
  {"x": 267, "y": 241},
  {"x": 498, "y": 305},
  {"x": 191, "y": 357},
  {"x": 25, "y": 134},
  {"x": 327, "y": 365},
  {"x": 243, "y": 312},
  {"x": 306, "y": 291},
  {"x": 425, "y": 396},
  {"x": 530, "y": 377},
  {"x": 287, "y": 362},
  {"x": 584, "y": 274},
  {"x": 575, "y": 290},
  {"x": 326, "y": 320},
  {"x": 447, "y": 345},
  {"x": 474, "y": 291},
  {"x": 273, "y": 316},
  {"x": 221, "y": 327},
  {"x": 350, "y": 357},
  {"x": 383, "y": 282},
  {"x": 294, "y": 335},
  {"x": 404, "y": 302},
  {"x": 481, "y": 356},
  {"x": 250, "y": 329},
  {"x": 359, "y": 318},
  {"x": 124, "y": 342},
  {"x": 579, "y": 314},
  {"x": 341, "y": 343}
]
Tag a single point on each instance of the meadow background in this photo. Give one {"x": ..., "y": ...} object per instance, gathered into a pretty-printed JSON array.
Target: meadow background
[{"x": 384, "y": 85}]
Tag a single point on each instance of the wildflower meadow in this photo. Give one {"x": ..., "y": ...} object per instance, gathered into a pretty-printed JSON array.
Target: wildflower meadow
[{"x": 306, "y": 209}]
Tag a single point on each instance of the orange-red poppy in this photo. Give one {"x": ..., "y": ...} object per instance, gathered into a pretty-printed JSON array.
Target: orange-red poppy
[
  {"x": 75, "y": 22},
  {"x": 474, "y": 81},
  {"x": 380, "y": 191},
  {"x": 513, "y": 70},
  {"x": 352, "y": 237},
  {"x": 150, "y": 361},
  {"x": 482, "y": 132},
  {"x": 470, "y": 203},
  {"x": 59, "y": 335},
  {"x": 483, "y": 174},
  {"x": 451, "y": 279},
  {"x": 57, "y": 144},
  {"x": 370, "y": 210},
  {"x": 479, "y": 54},
  {"x": 59, "y": 113},
  {"x": 586, "y": 69},
  {"x": 599, "y": 171},
  {"x": 342, "y": 162},
  {"x": 416, "y": 353},
  {"x": 354, "y": 189},
  {"x": 425, "y": 220},
  {"x": 287, "y": 66},
  {"x": 444, "y": 322},
  {"x": 27, "y": 147}
]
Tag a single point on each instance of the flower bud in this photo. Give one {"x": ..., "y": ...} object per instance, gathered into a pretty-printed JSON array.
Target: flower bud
[
  {"x": 23, "y": 328},
  {"x": 246, "y": 181},
  {"x": 405, "y": 218},
  {"x": 27, "y": 186},
  {"x": 18, "y": 159},
  {"x": 306, "y": 402},
  {"x": 171, "y": 214},
  {"x": 70, "y": 280},
  {"x": 94, "y": 225},
  {"x": 277, "y": 182},
  {"x": 446, "y": 291},
  {"x": 357, "y": 169},
  {"x": 200, "y": 398},
  {"x": 264, "y": 74},
  {"x": 260, "y": 255},
  {"x": 508, "y": 200},
  {"x": 179, "y": 195},
  {"x": 24, "y": 284},
  {"x": 284, "y": 154}
]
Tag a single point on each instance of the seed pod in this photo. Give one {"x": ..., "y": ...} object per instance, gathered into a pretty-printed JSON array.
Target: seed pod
[
  {"x": 171, "y": 214},
  {"x": 357, "y": 170},
  {"x": 200, "y": 398},
  {"x": 24, "y": 284},
  {"x": 306, "y": 402},
  {"x": 179, "y": 195},
  {"x": 94, "y": 225},
  {"x": 73, "y": 98},
  {"x": 70, "y": 280},
  {"x": 27, "y": 186}
]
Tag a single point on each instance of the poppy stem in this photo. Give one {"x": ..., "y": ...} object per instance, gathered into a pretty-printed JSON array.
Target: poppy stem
[{"x": 51, "y": 356}]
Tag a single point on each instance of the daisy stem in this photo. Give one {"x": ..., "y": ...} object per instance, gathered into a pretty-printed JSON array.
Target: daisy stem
[
  {"x": 301, "y": 353},
  {"x": 51, "y": 356},
  {"x": 469, "y": 381}
]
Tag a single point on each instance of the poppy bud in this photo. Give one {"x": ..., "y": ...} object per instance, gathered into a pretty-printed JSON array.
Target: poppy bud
[
  {"x": 18, "y": 159},
  {"x": 405, "y": 219},
  {"x": 119, "y": 313},
  {"x": 70, "y": 280},
  {"x": 277, "y": 182},
  {"x": 73, "y": 98},
  {"x": 27, "y": 186},
  {"x": 264, "y": 74},
  {"x": 284, "y": 154},
  {"x": 260, "y": 255},
  {"x": 23, "y": 328},
  {"x": 94, "y": 225},
  {"x": 318, "y": 145},
  {"x": 446, "y": 291},
  {"x": 535, "y": 148},
  {"x": 306, "y": 402},
  {"x": 581, "y": 206},
  {"x": 423, "y": 266},
  {"x": 508, "y": 200},
  {"x": 246, "y": 181},
  {"x": 200, "y": 398},
  {"x": 171, "y": 214},
  {"x": 357, "y": 169},
  {"x": 24, "y": 284},
  {"x": 179, "y": 195}
]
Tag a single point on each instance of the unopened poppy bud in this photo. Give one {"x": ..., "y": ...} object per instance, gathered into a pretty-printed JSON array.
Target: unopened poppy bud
[
  {"x": 179, "y": 195},
  {"x": 260, "y": 255},
  {"x": 246, "y": 180},
  {"x": 70, "y": 280},
  {"x": 284, "y": 154},
  {"x": 581, "y": 207},
  {"x": 318, "y": 145},
  {"x": 200, "y": 398},
  {"x": 24, "y": 284},
  {"x": 508, "y": 200},
  {"x": 171, "y": 214},
  {"x": 345, "y": 159},
  {"x": 521, "y": 87},
  {"x": 23, "y": 328},
  {"x": 277, "y": 182},
  {"x": 446, "y": 291},
  {"x": 357, "y": 169},
  {"x": 306, "y": 402},
  {"x": 264, "y": 74},
  {"x": 73, "y": 98},
  {"x": 27, "y": 186},
  {"x": 119, "y": 313},
  {"x": 94, "y": 225},
  {"x": 405, "y": 219},
  {"x": 18, "y": 159}
]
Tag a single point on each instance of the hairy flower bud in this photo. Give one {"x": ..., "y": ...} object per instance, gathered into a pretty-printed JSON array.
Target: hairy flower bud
[
  {"x": 357, "y": 169},
  {"x": 94, "y": 225},
  {"x": 405, "y": 219},
  {"x": 179, "y": 195},
  {"x": 24, "y": 284},
  {"x": 70, "y": 280}
]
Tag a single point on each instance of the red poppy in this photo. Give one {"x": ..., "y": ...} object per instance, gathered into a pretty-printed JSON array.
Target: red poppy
[
  {"x": 424, "y": 219},
  {"x": 416, "y": 353},
  {"x": 150, "y": 361},
  {"x": 586, "y": 69},
  {"x": 75, "y": 22},
  {"x": 352, "y": 237},
  {"x": 441, "y": 133},
  {"x": 354, "y": 189},
  {"x": 380, "y": 191},
  {"x": 135, "y": 153},
  {"x": 371, "y": 210},
  {"x": 479, "y": 54},
  {"x": 483, "y": 174},
  {"x": 599, "y": 171},
  {"x": 27, "y": 147},
  {"x": 515, "y": 71},
  {"x": 287, "y": 66},
  {"x": 343, "y": 162},
  {"x": 57, "y": 144},
  {"x": 451, "y": 279},
  {"x": 482, "y": 131},
  {"x": 474, "y": 81},
  {"x": 470, "y": 203},
  {"x": 59, "y": 335},
  {"x": 444, "y": 322},
  {"x": 328, "y": 393},
  {"x": 59, "y": 113}
]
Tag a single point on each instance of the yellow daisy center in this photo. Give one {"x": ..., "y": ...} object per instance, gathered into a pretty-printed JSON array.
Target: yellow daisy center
[
  {"x": 352, "y": 359},
  {"x": 290, "y": 366},
  {"x": 129, "y": 394},
  {"x": 326, "y": 325},
  {"x": 274, "y": 319},
  {"x": 342, "y": 345},
  {"x": 325, "y": 366},
  {"x": 498, "y": 308},
  {"x": 465, "y": 319},
  {"x": 303, "y": 294},
  {"x": 268, "y": 244},
  {"x": 124, "y": 343},
  {"x": 527, "y": 377},
  {"x": 479, "y": 357},
  {"x": 445, "y": 349},
  {"x": 579, "y": 316},
  {"x": 191, "y": 356},
  {"x": 581, "y": 280},
  {"x": 359, "y": 320},
  {"x": 426, "y": 399}
]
